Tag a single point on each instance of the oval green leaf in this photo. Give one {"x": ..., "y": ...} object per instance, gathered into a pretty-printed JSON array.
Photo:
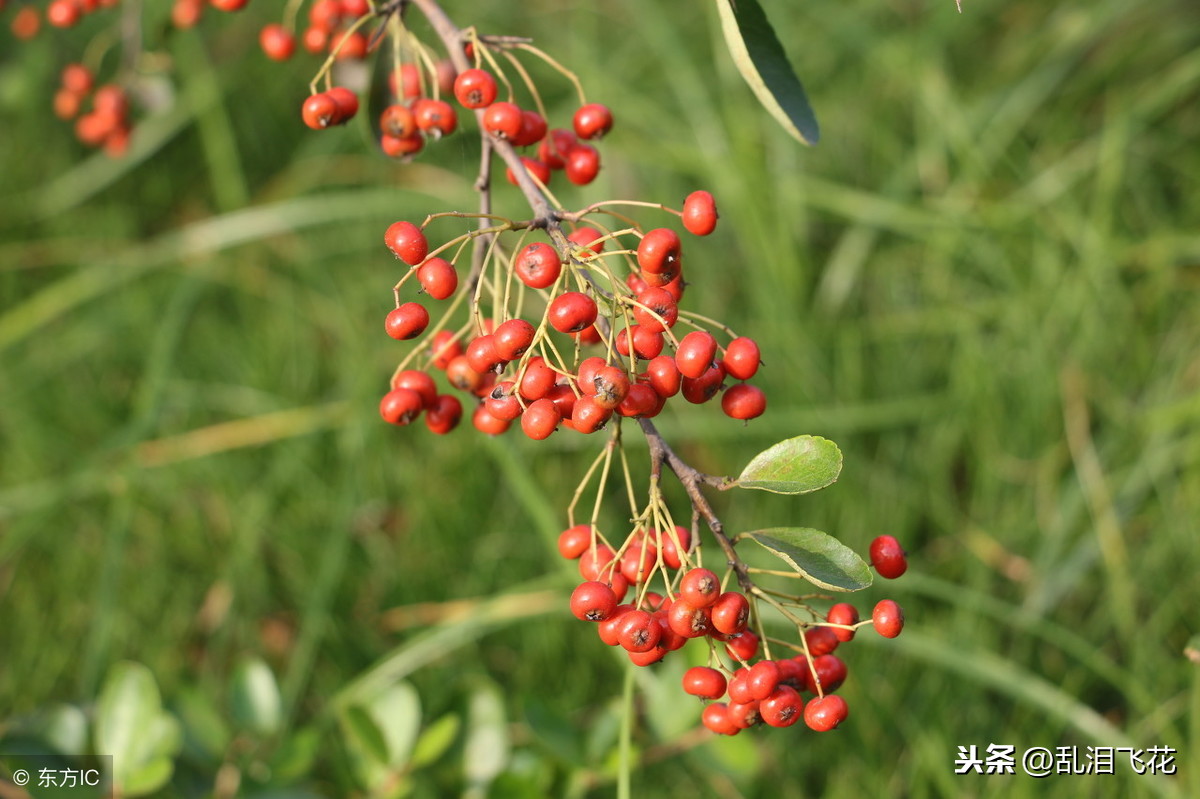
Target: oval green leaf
[
  {"x": 129, "y": 705},
  {"x": 818, "y": 557},
  {"x": 795, "y": 466},
  {"x": 257, "y": 704},
  {"x": 760, "y": 58}
]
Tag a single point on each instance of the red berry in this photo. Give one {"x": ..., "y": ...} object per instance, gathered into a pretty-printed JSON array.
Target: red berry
[
  {"x": 532, "y": 131},
  {"x": 739, "y": 686},
  {"x": 588, "y": 237},
  {"x": 325, "y": 14},
  {"x": 486, "y": 423},
  {"x": 688, "y": 620},
  {"x": 445, "y": 347},
  {"x": 587, "y": 416},
  {"x": 438, "y": 278},
  {"x": 571, "y": 312},
  {"x": 888, "y": 618},
  {"x": 593, "y": 601},
  {"x": 700, "y": 213},
  {"x": 63, "y": 13},
  {"x": 315, "y": 39},
  {"x": 347, "y": 103},
  {"x": 502, "y": 120},
  {"x": 716, "y": 718},
  {"x": 888, "y": 557},
  {"x": 674, "y": 544},
  {"x": 743, "y": 647},
  {"x": 418, "y": 381},
  {"x": 592, "y": 121},
  {"x": 639, "y": 631},
  {"x": 482, "y": 355},
  {"x": 400, "y": 406},
  {"x": 842, "y": 613},
  {"x": 475, "y": 88},
  {"x": 647, "y": 341},
  {"x": 700, "y": 588},
  {"x": 540, "y": 419},
  {"x": 407, "y": 242},
  {"x": 741, "y": 358},
  {"x": 537, "y": 381},
  {"x": 731, "y": 613},
  {"x": 660, "y": 309},
  {"x": 351, "y": 44},
  {"x": 745, "y": 714},
  {"x": 513, "y": 338},
  {"x": 782, "y": 707},
  {"x": 407, "y": 321},
  {"x": 823, "y": 713},
  {"x": 830, "y": 673},
  {"x": 229, "y": 5},
  {"x": 821, "y": 640},
  {"x": 610, "y": 386},
  {"x": 406, "y": 83},
  {"x": 698, "y": 390},
  {"x": 660, "y": 252},
  {"x": 355, "y": 8},
  {"x": 695, "y": 353},
  {"x": 435, "y": 118},
  {"x": 537, "y": 265},
  {"x": 704, "y": 682},
  {"x": 502, "y": 402},
  {"x": 574, "y": 541},
  {"x": 398, "y": 121},
  {"x": 664, "y": 376},
  {"x": 641, "y": 402},
  {"x": 763, "y": 678},
  {"x": 582, "y": 164},
  {"x": 320, "y": 111},
  {"x": 77, "y": 79},
  {"x": 444, "y": 415},
  {"x": 744, "y": 401},
  {"x": 276, "y": 42}
]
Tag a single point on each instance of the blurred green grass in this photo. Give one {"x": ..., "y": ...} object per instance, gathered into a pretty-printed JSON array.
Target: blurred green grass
[{"x": 982, "y": 284}]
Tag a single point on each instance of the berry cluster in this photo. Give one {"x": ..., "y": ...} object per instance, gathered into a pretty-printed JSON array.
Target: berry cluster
[
  {"x": 106, "y": 124},
  {"x": 696, "y": 604},
  {"x": 335, "y": 27}
]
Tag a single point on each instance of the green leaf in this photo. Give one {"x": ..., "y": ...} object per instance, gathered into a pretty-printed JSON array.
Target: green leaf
[
  {"x": 795, "y": 466},
  {"x": 257, "y": 705},
  {"x": 486, "y": 750},
  {"x": 148, "y": 778},
  {"x": 132, "y": 727},
  {"x": 760, "y": 58},
  {"x": 205, "y": 732},
  {"x": 819, "y": 558},
  {"x": 436, "y": 739},
  {"x": 397, "y": 713},
  {"x": 363, "y": 736},
  {"x": 296, "y": 755}
]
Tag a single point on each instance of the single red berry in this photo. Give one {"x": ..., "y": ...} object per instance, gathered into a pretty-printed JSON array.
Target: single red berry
[
  {"x": 537, "y": 381},
  {"x": 486, "y": 423},
  {"x": 66, "y": 104},
  {"x": 587, "y": 416},
  {"x": 63, "y": 13},
  {"x": 347, "y": 103},
  {"x": 745, "y": 714},
  {"x": 502, "y": 402},
  {"x": 592, "y": 121},
  {"x": 355, "y": 8},
  {"x": 537, "y": 265},
  {"x": 821, "y": 640},
  {"x": 407, "y": 242},
  {"x": 513, "y": 338},
  {"x": 731, "y": 613},
  {"x": 571, "y": 312},
  {"x": 349, "y": 45},
  {"x": 438, "y": 277},
  {"x": 688, "y": 620},
  {"x": 647, "y": 341},
  {"x": 597, "y": 563},
  {"x": 698, "y": 390},
  {"x": 540, "y": 419},
  {"x": 77, "y": 79},
  {"x": 783, "y": 707},
  {"x": 657, "y": 309},
  {"x": 704, "y": 682},
  {"x": 744, "y": 401},
  {"x": 639, "y": 632},
  {"x": 582, "y": 164},
  {"x": 461, "y": 375},
  {"x": 315, "y": 39},
  {"x": 593, "y": 601},
  {"x": 610, "y": 628},
  {"x": 673, "y": 545},
  {"x": 763, "y": 678},
  {"x": 741, "y": 358},
  {"x": 320, "y": 111},
  {"x": 276, "y": 42},
  {"x": 823, "y": 713},
  {"x": 444, "y": 415},
  {"x": 742, "y": 647},
  {"x": 663, "y": 375},
  {"x": 406, "y": 82},
  {"x": 642, "y": 402},
  {"x": 842, "y": 613},
  {"x": 888, "y": 557},
  {"x": 638, "y": 561},
  {"x": 611, "y": 386},
  {"x": 739, "y": 686},
  {"x": 420, "y": 382},
  {"x": 700, "y": 588},
  {"x": 532, "y": 131},
  {"x": 650, "y": 656},
  {"x": 888, "y": 618},
  {"x": 407, "y": 321},
  {"x": 397, "y": 147},
  {"x": 717, "y": 719},
  {"x": 482, "y": 354},
  {"x": 325, "y": 14},
  {"x": 830, "y": 673},
  {"x": 398, "y": 121},
  {"x": 695, "y": 353},
  {"x": 502, "y": 120},
  {"x": 660, "y": 252},
  {"x": 574, "y": 541},
  {"x": 475, "y": 88},
  {"x": 229, "y": 5},
  {"x": 589, "y": 238},
  {"x": 435, "y": 118},
  {"x": 400, "y": 406},
  {"x": 534, "y": 167},
  {"x": 700, "y": 213},
  {"x": 445, "y": 347}
]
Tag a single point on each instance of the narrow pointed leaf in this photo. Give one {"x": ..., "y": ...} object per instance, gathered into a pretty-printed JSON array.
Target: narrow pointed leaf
[
  {"x": 763, "y": 63},
  {"x": 819, "y": 558},
  {"x": 795, "y": 466}
]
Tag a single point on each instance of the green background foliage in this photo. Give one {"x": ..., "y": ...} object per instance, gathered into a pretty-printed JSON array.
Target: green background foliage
[{"x": 982, "y": 285}]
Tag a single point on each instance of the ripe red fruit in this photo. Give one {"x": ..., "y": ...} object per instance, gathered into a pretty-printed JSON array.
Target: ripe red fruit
[
  {"x": 647, "y": 341},
  {"x": 444, "y": 414},
  {"x": 571, "y": 312},
  {"x": 320, "y": 111},
  {"x": 582, "y": 164},
  {"x": 229, "y": 5},
  {"x": 481, "y": 353},
  {"x": 592, "y": 121},
  {"x": 842, "y": 613},
  {"x": 325, "y": 14},
  {"x": 435, "y": 118},
  {"x": 639, "y": 631},
  {"x": 888, "y": 557},
  {"x": 688, "y": 620},
  {"x": 315, "y": 39},
  {"x": 407, "y": 321},
  {"x": 731, "y": 613},
  {"x": 63, "y": 13},
  {"x": 400, "y": 406},
  {"x": 888, "y": 618},
  {"x": 698, "y": 390},
  {"x": 397, "y": 147},
  {"x": 355, "y": 8},
  {"x": 660, "y": 252},
  {"x": 704, "y": 682},
  {"x": 744, "y": 401},
  {"x": 418, "y": 381},
  {"x": 438, "y": 278},
  {"x": 659, "y": 305},
  {"x": 700, "y": 588},
  {"x": 763, "y": 678},
  {"x": 663, "y": 375},
  {"x": 398, "y": 121},
  {"x": 739, "y": 686},
  {"x": 537, "y": 381},
  {"x": 742, "y": 358},
  {"x": 486, "y": 423},
  {"x": 347, "y": 103},
  {"x": 77, "y": 79},
  {"x": 540, "y": 419},
  {"x": 716, "y": 717},
  {"x": 475, "y": 88},
  {"x": 351, "y": 44},
  {"x": 532, "y": 131},
  {"x": 830, "y": 673},
  {"x": 782, "y": 707},
  {"x": 589, "y": 238},
  {"x": 641, "y": 402},
  {"x": 700, "y": 213},
  {"x": 743, "y": 647},
  {"x": 537, "y": 265},
  {"x": 574, "y": 541},
  {"x": 593, "y": 601},
  {"x": 406, "y": 82},
  {"x": 513, "y": 338},
  {"x": 820, "y": 640},
  {"x": 587, "y": 416},
  {"x": 823, "y": 713},
  {"x": 674, "y": 544},
  {"x": 276, "y": 42},
  {"x": 534, "y": 167},
  {"x": 611, "y": 386},
  {"x": 502, "y": 401},
  {"x": 407, "y": 242},
  {"x": 695, "y": 353},
  {"x": 745, "y": 714},
  {"x": 502, "y": 120}
]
